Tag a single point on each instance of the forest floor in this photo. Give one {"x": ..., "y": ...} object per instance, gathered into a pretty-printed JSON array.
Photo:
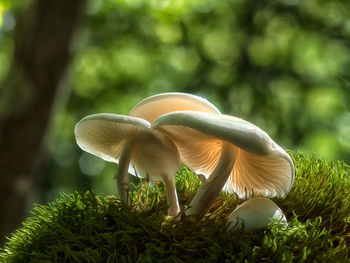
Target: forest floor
[{"x": 93, "y": 228}]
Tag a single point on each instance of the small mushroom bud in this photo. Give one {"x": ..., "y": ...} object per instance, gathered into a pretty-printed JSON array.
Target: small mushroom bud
[{"x": 255, "y": 213}]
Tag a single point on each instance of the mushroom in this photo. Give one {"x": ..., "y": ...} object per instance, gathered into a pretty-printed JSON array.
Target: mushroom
[
  {"x": 255, "y": 213},
  {"x": 229, "y": 152},
  {"x": 120, "y": 138},
  {"x": 124, "y": 139}
]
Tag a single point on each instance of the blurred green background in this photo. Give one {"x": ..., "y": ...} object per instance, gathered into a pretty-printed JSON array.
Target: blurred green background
[{"x": 282, "y": 65}]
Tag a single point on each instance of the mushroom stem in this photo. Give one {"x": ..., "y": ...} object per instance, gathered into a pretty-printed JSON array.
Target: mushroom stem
[
  {"x": 210, "y": 189},
  {"x": 122, "y": 173},
  {"x": 172, "y": 201}
]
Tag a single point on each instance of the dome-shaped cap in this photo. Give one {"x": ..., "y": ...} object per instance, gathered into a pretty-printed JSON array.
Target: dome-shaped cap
[
  {"x": 153, "y": 107},
  {"x": 255, "y": 213}
]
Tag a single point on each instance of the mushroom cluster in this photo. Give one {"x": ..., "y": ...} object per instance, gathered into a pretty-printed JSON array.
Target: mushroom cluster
[
  {"x": 226, "y": 152},
  {"x": 137, "y": 148}
]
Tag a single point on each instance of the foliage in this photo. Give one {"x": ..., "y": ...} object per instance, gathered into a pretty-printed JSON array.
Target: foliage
[{"x": 93, "y": 228}]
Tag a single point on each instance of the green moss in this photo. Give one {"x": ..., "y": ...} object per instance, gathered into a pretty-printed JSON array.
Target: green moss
[{"x": 94, "y": 228}]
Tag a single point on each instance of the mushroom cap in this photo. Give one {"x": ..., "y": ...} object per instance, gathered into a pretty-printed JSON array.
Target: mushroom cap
[
  {"x": 255, "y": 213},
  {"x": 262, "y": 168},
  {"x": 105, "y": 135},
  {"x": 153, "y": 107}
]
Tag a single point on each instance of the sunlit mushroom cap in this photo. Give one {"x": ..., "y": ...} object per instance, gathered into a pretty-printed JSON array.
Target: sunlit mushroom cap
[
  {"x": 262, "y": 168},
  {"x": 255, "y": 213},
  {"x": 157, "y": 105},
  {"x": 105, "y": 135}
]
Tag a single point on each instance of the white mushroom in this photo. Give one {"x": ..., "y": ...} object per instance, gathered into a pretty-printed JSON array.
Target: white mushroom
[
  {"x": 124, "y": 139},
  {"x": 255, "y": 213},
  {"x": 227, "y": 150},
  {"x": 121, "y": 139}
]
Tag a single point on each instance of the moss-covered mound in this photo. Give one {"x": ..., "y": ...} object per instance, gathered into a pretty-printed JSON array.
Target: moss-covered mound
[{"x": 93, "y": 228}]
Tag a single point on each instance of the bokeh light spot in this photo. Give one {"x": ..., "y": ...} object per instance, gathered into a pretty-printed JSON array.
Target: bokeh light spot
[
  {"x": 132, "y": 61},
  {"x": 90, "y": 164},
  {"x": 323, "y": 143},
  {"x": 318, "y": 58},
  {"x": 221, "y": 46},
  {"x": 159, "y": 4},
  {"x": 183, "y": 59},
  {"x": 325, "y": 102},
  {"x": 343, "y": 126},
  {"x": 169, "y": 33}
]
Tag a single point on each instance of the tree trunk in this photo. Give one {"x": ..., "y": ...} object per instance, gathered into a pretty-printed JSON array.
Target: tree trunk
[{"x": 42, "y": 41}]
